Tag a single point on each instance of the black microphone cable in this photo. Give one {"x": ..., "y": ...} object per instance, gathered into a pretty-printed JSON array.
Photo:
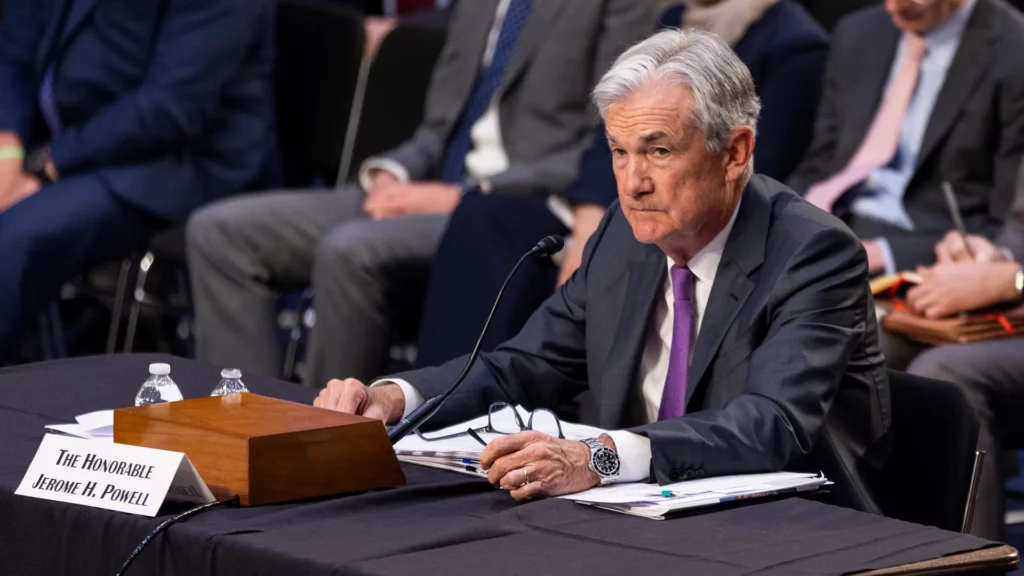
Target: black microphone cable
[
  {"x": 546, "y": 247},
  {"x": 167, "y": 524}
]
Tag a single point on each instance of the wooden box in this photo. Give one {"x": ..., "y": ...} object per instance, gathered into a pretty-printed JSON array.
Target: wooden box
[{"x": 266, "y": 450}]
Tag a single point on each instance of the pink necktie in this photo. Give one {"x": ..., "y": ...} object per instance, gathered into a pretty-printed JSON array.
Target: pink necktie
[{"x": 882, "y": 140}]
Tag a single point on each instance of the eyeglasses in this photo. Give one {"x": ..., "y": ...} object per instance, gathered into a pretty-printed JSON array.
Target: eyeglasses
[{"x": 502, "y": 418}]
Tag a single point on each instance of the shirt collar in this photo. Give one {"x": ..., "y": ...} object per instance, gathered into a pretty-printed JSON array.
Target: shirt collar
[
  {"x": 704, "y": 264},
  {"x": 952, "y": 29}
]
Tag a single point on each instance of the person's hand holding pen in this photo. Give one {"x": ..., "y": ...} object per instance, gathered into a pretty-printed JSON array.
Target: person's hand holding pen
[{"x": 956, "y": 247}]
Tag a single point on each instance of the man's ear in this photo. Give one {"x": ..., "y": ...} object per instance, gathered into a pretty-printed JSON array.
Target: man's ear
[{"x": 739, "y": 152}]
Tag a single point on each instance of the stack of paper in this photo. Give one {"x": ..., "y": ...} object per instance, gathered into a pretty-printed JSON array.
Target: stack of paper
[
  {"x": 660, "y": 502},
  {"x": 462, "y": 453},
  {"x": 92, "y": 426}
]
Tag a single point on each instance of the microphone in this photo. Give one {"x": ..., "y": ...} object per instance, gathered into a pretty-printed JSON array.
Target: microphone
[{"x": 546, "y": 247}]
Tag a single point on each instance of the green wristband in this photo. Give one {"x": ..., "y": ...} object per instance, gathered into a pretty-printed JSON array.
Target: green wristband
[{"x": 12, "y": 153}]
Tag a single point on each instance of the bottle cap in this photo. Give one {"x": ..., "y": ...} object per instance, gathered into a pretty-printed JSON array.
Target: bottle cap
[
  {"x": 160, "y": 369},
  {"x": 232, "y": 373}
]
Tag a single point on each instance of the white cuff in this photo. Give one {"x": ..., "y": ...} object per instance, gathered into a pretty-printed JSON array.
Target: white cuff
[
  {"x": 371, "y": 166},
  {"x": 890, "y": 260},
  {"x": 634, "y": 456},
  {"x": 413, "y": 399}
]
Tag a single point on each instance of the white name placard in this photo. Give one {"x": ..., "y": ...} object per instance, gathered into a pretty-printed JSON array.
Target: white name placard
[{"x": 111, "y": 476}]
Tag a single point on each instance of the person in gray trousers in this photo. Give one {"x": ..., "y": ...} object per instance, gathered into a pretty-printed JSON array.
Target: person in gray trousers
[
  {"x": 969, "y": 277},
  {"x": 507, "y": 111}
]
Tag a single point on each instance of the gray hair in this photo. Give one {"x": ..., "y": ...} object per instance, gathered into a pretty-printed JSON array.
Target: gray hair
[{"x": 722, "y": 87}]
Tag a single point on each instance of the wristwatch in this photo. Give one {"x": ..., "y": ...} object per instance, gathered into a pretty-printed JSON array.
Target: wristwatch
[
  {"x": 603, "y": 461},
  {"x": 1018, "y": 282}
]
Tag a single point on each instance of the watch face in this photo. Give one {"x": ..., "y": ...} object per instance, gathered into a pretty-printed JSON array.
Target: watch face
[{"x": 606, "y": 462}]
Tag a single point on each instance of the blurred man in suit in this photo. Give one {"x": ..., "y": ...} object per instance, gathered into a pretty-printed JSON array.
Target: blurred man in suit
[
  {"x": 991, "y": 373},
  {"x": 507, "y": 110},
  {"x": 785, "y": 51},
  {"x": 726, "y": 322},
  {"x": 118, "y": 118},
  {"x": 917, "y": 93}
]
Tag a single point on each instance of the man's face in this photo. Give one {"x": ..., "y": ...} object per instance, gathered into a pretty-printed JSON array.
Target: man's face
[
  {"x": 920, "y": 16},
  {"x": 669, "y": 185}
]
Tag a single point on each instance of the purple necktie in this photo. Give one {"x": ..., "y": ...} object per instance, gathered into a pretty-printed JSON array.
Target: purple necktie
[
  {"x": 673, "y": 398},
  {"x": 48, "y": 105}
]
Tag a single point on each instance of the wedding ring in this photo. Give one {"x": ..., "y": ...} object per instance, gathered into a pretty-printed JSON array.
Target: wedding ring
[{"x": 526, "y": 475}]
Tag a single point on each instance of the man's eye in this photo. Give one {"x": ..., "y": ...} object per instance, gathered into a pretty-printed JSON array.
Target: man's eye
[
  {"x": 618, "y": 152},
  {"x": 660, "y": 152}
]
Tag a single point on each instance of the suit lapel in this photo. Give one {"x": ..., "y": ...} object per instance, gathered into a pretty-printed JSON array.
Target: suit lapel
[
  {"x": 77, "y": 14},
  {"x": 50, "y": 35},
  {"x": 869, "y": 87},
  {"x": 744, "y": 253},
  {"x": 969, "y": 66},
  {"x": 643, "y": 289},
  {"x": 542, "y": 15}
]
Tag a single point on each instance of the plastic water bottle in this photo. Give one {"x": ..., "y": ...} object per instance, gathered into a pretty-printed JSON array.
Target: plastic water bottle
[
  {"x": 158, "y": 387},
  {"x": 230, "y": 383}
]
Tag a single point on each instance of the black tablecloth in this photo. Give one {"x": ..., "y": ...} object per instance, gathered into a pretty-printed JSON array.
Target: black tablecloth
[{"x": 441, "y": 523}]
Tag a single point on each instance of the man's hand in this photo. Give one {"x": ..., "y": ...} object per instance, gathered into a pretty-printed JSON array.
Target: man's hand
[
  {"x": 586, "y": 218},
  {"x": 876, "y": 261},
  {"x": 411, "y": 199},
  {"x": 382, "y": 180},
  {"x": 963, "y": 286},
  {"x": 22, "y": 186},
  {"x": 385, "y": 403},
  {"x": 953, "y": 249},
  {"x": 554, "y": 467}
]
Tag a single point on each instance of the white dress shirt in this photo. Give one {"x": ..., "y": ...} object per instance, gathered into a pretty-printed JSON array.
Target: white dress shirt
[{"x": 635, "y": 450}]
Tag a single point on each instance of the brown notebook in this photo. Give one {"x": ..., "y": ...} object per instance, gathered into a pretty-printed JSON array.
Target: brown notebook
[{"x": 961, "y": 329}]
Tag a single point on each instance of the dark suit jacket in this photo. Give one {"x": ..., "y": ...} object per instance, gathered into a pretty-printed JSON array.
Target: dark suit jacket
[
  {"x": 169, "y": 102},
  {"x": 974, "y": 139},
  {"x": 565, "y": 47},
  {"x": 786, "y": 51},
  {"x": 1012, "y": 235},
  {"x": 786, "y": 373}
]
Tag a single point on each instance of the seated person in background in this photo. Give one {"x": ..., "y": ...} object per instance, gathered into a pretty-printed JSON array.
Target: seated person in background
[
  {"x": 132, "y": 114},
  {"x": 724, "y": 321},
  {"x": 507, "y": 110},
  {"x": 785, "y": 51},
  {"x": 930, "y": 92},
  {"x": 991, "y": 373}
]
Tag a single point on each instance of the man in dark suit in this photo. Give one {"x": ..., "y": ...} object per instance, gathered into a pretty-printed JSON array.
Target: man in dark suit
[
  {"x": 785, "y": 51},
  {"x": 722, "y": 324},
  {"x": 917, "y": 94},
  {"x": 117, "y": 118},
  {"x": 991, "y": 373}
]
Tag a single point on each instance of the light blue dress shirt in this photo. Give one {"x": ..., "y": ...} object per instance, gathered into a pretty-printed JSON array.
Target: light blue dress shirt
[{"x": 882, "y": 196}]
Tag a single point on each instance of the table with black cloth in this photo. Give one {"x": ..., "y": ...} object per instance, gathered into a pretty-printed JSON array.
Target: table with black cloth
[{"x": 440, "y": 523}]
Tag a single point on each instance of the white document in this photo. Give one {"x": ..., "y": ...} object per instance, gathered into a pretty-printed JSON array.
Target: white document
[
  {"x": 100, "y": 423},
  {"x": 658, "y": 502},
  {"x": 110, "y": 476}
]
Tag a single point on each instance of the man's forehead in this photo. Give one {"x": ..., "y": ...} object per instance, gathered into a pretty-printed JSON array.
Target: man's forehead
[{"x": 648, "y": 115}]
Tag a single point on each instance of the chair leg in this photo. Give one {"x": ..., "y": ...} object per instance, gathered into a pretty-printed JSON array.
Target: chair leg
[
  {"x": 139, "y": 297},
  {"x": 57, "y": 327},
  {"x": 295, "y": 337},
  {"x": 972, "y": 492},
  {"x": 46, "y": 337},
  {"x": 118, "y": 308}
]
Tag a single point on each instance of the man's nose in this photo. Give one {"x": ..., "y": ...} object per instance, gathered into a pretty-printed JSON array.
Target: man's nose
[{"x": 638, "y": 181}]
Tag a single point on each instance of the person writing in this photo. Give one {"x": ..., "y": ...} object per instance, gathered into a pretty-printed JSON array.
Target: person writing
[{"x": 722, "y": 324}]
